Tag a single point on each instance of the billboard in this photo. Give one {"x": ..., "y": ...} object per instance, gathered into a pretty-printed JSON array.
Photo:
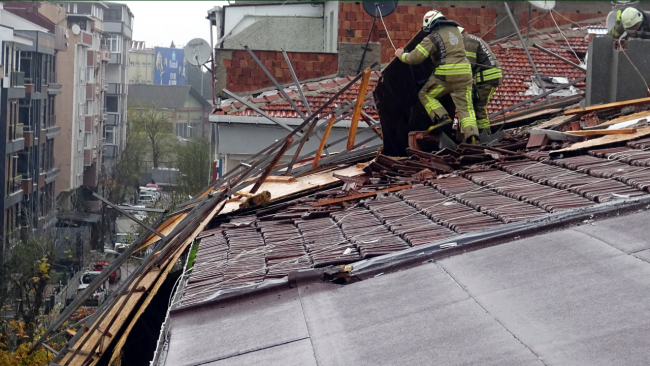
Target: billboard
[{"x": 170, "y": 66}]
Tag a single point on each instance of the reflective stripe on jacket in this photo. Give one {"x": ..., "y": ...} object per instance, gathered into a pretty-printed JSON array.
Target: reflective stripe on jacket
[{"x": 446, "y": 49}]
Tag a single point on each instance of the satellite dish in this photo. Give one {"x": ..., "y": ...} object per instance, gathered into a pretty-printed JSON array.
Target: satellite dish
[
  {"x": 611, "y": 20},
  {"x": 385, "y": 7},
  {"x": 76, "y": 29},
  {"x": 543, "y": 4},
  {"x": 197, "y": 51}
]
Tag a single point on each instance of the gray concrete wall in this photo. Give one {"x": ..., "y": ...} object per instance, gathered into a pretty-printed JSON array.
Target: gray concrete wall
[
  {"x": 599, "y": 71},
  {"x": 350, "y": 55},
  {"x": 615, "y": 76},
  {"x": 289, "y": 33}
]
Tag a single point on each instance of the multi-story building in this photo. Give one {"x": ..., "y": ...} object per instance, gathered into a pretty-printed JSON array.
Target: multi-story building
[
  {"x": 27, "y": 110},
  {"x": 81, "y": 106},
  {"x": 118, "y": 29},
  {"x": 140, "y": 63}
]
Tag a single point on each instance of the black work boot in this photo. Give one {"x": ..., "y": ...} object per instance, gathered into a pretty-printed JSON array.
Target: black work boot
[{"x": 442, "y": 121}]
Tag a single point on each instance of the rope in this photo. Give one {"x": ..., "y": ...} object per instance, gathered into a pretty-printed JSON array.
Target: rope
[
  {"x": 620, "y": 48},
  {"x": 563, "y": 36},
  {"x": 387, "y": 33}
]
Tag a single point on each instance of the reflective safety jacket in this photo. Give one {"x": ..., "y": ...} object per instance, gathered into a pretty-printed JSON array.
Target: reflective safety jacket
[
  {"x": 485, "y": 65},
  {"x": 446, "y": 49},
  {"x": 618, "y": 29}
]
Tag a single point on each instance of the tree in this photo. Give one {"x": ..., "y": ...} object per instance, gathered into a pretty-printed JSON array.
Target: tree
[
  {"x": 193, "y": 162},
  {"x": 157, "y": 127},
  {"x": 25, "y": 275},
  {"x": 123, "y": 178}
]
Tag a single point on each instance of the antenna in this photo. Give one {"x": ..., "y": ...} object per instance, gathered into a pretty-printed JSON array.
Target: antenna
[
  {"x": 543, "y": 4},
  {"x": 197, "y": 51},
  {"x": 76, "y": 29}
]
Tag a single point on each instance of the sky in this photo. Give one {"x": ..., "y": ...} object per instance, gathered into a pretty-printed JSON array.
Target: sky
[{"x": 158, "y": 23}]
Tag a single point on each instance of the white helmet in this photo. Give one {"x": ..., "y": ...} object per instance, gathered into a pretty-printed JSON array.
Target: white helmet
[
  {"x": 431, "y": 16},
  {"x": 630, "y": 17},
  {"x": 461, "y": 29}
]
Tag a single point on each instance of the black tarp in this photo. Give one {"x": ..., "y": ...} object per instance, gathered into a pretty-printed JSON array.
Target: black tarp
[{"x": 398, "y": 106}]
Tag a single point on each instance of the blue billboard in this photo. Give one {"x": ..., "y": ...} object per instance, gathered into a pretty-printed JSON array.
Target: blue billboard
[{"x": 170, "y": 66}]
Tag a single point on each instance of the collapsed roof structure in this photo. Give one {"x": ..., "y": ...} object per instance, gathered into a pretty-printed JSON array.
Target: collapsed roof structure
[{"x": 285, "y": 257}]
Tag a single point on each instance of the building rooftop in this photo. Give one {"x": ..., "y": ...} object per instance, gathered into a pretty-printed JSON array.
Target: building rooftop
[
  {"x": 574, "y": 296},
  {"x": 163, "y": 96}
]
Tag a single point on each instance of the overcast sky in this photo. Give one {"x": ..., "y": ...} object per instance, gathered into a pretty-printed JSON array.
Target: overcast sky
[{"x": 158, "y": 23}]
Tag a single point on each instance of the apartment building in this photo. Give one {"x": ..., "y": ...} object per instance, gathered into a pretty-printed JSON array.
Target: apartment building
[
  {"x": 27, "y": 110},
  {"x": 118, "y": 30},
  {"x": 141, "y": 63},
  {"x": 81, "y": 72}
]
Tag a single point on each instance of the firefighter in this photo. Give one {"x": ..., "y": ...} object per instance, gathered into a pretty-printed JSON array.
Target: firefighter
[
  {"x": 452, "y": 73},
  {"x": 487, "y": 76},
  {"x": 630, "y": 19}
]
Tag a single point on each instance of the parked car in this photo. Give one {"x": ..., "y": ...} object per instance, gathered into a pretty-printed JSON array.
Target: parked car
[
  {"x": 150, "y": 190},
  {"x": 154, "y": 185},
  {"x": 114, "y": 277},
  {"x": 99, "y": 295},
  {"x": 146, "y": 200},
  {"x": 121, "y": 242}
]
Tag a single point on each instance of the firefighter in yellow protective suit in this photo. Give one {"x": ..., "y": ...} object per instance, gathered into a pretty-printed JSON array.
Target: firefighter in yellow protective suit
[
  {"x": 630, "y": 19},
  {"x": 487, "y": 76},
  {"x": 452, "y": 73}
]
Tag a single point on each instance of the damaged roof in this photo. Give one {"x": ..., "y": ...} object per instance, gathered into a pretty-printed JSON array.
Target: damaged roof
[{"x": 570, "y": 297}]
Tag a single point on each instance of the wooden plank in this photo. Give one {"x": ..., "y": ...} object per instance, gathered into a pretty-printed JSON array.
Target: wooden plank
[
  {"x": 357, "y": 109},
  {"x": 324, "y": 202},
  {"x": 326, "y": 134},
  {"x": 304, "y": 183},
  {"x": 641, "y": 132},
  {"x": 609, "y": 105},
  {"x": 629, "y": 117},
  {"x": 268, "y": 169},
  {"x": 166, "y": 228},
  {"x": 163, "y": 276},
  {"x": 280, "y": 179},
  {"x": 620, "y": 131}
]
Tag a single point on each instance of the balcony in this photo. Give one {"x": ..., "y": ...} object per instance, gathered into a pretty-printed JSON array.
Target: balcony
[
  {"x": 114, "y": 88},
  {"x": 116, "y": 58},
  {"x": 17, "y": 89},
  {"x": 27, "y": 185},
  {"x": 28, "y": 136},
  {"x": 53, "y": 87},
  {"x": 51, "y": 175},
  {"x": 15, "y": 139},
  {"x": 14, "y": 191},
  {"x": 53, "y": 131}
]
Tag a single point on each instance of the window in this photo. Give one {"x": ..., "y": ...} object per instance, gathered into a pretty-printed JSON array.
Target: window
[
  {"x": 115, "y": 44},
  {"x": 109, "y": 135},
  {"x": 90, "y": 75},
  {"x": 88, "y": 140},
  {"x": 112, "y": 104},
  {"x": 183, "y": 130}
]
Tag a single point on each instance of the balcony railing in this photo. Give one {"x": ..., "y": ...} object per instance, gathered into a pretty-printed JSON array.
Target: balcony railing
[
  {"x": 15, "y": 132},
  {"x": 52, "y": 78},
  {"x": 14, "y": 185},
  {"x": 17, "y": 79}
]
